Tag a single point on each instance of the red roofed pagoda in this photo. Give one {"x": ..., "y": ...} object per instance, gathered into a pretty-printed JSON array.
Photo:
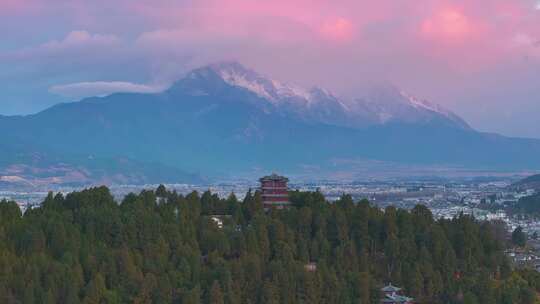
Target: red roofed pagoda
[{"x": 274, "y": 192}]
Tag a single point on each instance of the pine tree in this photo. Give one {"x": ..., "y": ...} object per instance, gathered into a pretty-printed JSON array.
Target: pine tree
[
  {"x": 519, "y": 238},
  {"x": 161, "y": 191},
  {"x": 270, "y": 294},
  {"x": 364, "y": 288},
  {"x": 216, "y": 295},
  {"x": 95, "y": 290}
]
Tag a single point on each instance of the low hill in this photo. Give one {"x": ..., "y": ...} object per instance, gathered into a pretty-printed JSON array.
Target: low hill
[
  {"x": 36, "y": 171},
  {"x": 531, "y": 182}
]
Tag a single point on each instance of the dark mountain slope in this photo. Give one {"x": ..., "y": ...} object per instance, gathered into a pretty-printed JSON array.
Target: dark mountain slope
[{"x": 530, "y": 182}]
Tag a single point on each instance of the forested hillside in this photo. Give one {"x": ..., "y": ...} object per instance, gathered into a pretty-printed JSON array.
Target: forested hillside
[
  {"x": 527, "y": 206},
  {"x": 161, "y": 247},
  {"x": 531, "y": 182}
]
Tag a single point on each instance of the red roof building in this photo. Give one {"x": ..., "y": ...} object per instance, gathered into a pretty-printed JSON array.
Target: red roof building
[{"x": 274, "y": 192}]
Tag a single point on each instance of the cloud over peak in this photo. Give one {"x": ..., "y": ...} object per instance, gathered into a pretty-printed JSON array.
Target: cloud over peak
[
  {"x": 102, "y": 88},
  {"x": 82, "y": 38}
]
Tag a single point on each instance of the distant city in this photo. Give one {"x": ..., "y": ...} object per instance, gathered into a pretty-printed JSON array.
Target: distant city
[{"x": 446, "y": 198}]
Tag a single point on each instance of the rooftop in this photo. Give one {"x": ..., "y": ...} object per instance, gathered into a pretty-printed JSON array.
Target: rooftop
[
  {"x": 390, "y": 288},
  {"x": 274, "y": 177},
  {"x": 397, "y": 299}
]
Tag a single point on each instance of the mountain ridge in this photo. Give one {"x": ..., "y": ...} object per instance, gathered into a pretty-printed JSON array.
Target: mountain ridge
[
  {"x": 384, "y": 104},
  {"x": 530, "y": 182},
  {"x": 204, "y": 124}
]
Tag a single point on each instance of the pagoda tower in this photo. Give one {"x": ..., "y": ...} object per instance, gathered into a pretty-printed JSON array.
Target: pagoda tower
[{"x": 274, "y": 191}]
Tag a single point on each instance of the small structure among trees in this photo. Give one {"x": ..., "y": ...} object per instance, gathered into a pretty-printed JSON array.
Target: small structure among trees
[
  {"x": 391, "y": 294},
  {"x": 310, "y": 267}
]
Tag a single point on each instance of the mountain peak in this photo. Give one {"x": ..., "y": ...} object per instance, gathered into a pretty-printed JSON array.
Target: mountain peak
[
  {"x": 393, "y": 104},
  {"x": 231, "y": 67},
  {"x": 237, "y": 75},
  {"x": 383, "y": 104}
]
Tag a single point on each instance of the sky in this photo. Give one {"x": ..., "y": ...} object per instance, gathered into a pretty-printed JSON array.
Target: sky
[{"x": 479, "y": 58}]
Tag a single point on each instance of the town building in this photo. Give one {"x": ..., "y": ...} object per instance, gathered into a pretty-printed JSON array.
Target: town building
[
  {"x": 274, "y": 192},
  {"x": 218, "y": 221},
  {"x": 310, "y": 267},
  {"x": 391, "y": 294}
]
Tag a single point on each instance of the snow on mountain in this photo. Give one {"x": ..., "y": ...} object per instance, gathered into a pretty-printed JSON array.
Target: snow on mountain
[
  {"x": 435, "y": 108},
  {"x": 425, "y": 105},
  {"x": 382, "y": 105},
  {"x": 237, "y": 76},
  {"x": 388, "y": 104},
  {"x": 274, "y": 91}
]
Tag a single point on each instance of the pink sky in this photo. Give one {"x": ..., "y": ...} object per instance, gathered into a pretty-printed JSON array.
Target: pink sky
[{"x": 455, "y": 52}]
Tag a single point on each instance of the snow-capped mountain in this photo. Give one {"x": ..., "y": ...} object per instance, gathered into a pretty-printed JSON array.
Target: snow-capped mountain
[
  {"x": 273, "y": 91},
  {"x": 382, "y": 105},
  {"x": 273, "y": 96},
  {"x": 226, "y": 119},
  {"x": 388, "y": 104}
]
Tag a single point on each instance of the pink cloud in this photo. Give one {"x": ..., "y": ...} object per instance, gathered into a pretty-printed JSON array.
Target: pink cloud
[
  {"x": 276, "y": 20},
  {"x": 444, "y": 30},
  {"x": 81, "y": 38},
  {"x": 449, "y": 25},
  {"x": 9, "y": 7},
  {"x": 440, "y": 29},
  {"x": 438, "y": 21},
  {"x": 76, "y": 42},
  {"x": 340, "y": 30},
  {"x": 102, "y": 88}
]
